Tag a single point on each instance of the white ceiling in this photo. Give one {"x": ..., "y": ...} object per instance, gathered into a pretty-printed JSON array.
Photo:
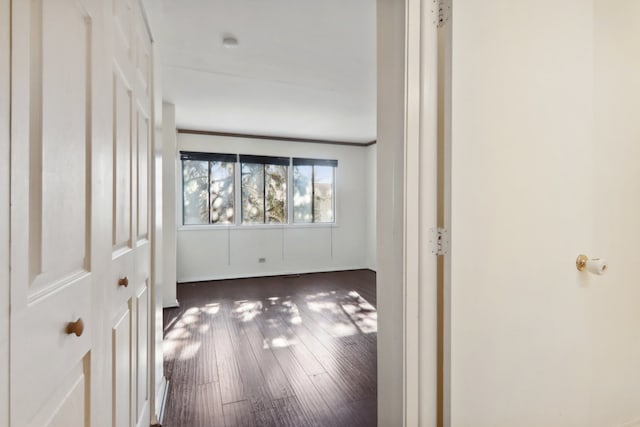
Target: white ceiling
[{"x": 303, "y": 68}]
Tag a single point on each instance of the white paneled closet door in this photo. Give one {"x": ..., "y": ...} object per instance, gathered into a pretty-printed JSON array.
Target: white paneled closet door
[
  {"x": 51, "y": 180},
  {"x": 80, "y": 250},
  {"x": 130, "y": 258}
]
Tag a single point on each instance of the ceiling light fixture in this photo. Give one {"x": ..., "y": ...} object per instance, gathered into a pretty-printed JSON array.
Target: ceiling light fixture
[{"x": 230, "y": 42}]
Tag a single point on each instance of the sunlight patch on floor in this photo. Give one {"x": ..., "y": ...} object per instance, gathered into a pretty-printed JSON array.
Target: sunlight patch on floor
[
  {"x": 277, "y": 342},
  {"x": 212, "y": 308},
  {"x": 246, "y": 310},
  {"x": 189, "y": 351}
]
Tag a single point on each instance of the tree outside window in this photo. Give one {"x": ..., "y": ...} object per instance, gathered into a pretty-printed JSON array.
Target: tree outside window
[
  {"x": 209, "y": 181},
  {"x": 264, "y": 190},
  {"x": 313, "y": 190}
]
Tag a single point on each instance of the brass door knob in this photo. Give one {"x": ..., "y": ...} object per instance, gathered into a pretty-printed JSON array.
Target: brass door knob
[
  {"x": 595, "y": 266},
  {"x": 76, "y": 327},
  {"x": 123, "y": 281}
]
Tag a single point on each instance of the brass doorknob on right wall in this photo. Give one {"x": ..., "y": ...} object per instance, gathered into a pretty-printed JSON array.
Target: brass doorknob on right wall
[
  {"x": 595, "y": 266},
  {"x": 123, "y": 281}
]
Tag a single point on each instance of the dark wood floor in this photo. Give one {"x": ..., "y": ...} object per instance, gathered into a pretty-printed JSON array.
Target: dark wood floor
[{"x": 280, "y": 351}]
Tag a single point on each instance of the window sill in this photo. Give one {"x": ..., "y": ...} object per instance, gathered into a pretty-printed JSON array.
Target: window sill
[{"x": 256, "y": 226}]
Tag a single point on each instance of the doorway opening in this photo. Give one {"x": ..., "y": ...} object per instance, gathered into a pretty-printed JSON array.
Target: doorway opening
[{"x": 272, "y": 123}]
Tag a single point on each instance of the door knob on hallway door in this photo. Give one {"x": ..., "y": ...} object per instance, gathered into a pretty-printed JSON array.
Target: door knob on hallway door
[
  {"x": 76, "y": 328},
  {"x": 594, "y": 265},
  {"x": 123, "y": 281}
]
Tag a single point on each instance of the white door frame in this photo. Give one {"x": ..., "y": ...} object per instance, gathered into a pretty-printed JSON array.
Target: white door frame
[
  {"x": 157, "y": 381},
  {"x": 420, "y": 215},
  {"x": 412, "y": 140},
  {"x": 5, "y": 61},
  {"x": 407, "y": 164}
]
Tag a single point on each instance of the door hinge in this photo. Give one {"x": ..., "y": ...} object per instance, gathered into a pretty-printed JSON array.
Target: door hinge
[
  {"x": 439, "y": 241},
  {"x": 441, "y": 12}
]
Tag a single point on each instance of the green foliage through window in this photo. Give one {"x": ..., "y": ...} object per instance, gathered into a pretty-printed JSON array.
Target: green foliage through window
[
  {"x": 209, "y": 196},
  {"x": 313, "y": 194},
  {"x": 264, "y": 193}
]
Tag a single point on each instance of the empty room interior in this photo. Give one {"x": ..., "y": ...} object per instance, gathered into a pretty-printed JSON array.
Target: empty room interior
[
  {"x": 269, "y": 116},
  {"x": 319, "y": 213}
]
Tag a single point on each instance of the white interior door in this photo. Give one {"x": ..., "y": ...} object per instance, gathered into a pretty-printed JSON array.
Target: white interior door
[
  {"x": 79, "y": 344},
  {"x": 51, "y": 210},
  {"x": 545, "y": 166},
  {"x": 129, "y": 291}
]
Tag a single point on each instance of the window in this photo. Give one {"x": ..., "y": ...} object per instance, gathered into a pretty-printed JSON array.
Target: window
[
  {"x": 208, "y": 188},
  {"x": 313, "y": 190},
  {"x": 209, "y": 182},
  {"x": 264, "y": 189}
]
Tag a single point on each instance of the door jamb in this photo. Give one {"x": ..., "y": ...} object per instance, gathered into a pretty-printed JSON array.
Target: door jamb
[
  {"x": 5, "y": 106},
  {"x": 421, "y": 207},
  {"x": 5, "y": 119},
  {"x": 407, "y": 164}
]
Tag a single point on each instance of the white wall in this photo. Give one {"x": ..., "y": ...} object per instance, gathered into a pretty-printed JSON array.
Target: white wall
[
  {"x": 545, "y": 155},
  {"x": 4, "y": 212},
  {"x": 218, "y": 252},
  {"x": 169, "y": 163},
  {"x": 390, "y": 214},
  {"x": 371, "y": 177}
]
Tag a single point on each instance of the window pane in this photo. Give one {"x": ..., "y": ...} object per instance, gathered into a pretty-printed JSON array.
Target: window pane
[
  {"x": 323, "y": 194},
  {"x": 252, "y": 193},
  {"x": 302, "y": 194},
  {"x": 276, "y": 193},
  {"x": 222, "y": 199},
  {"x": 195, "y": 175}
]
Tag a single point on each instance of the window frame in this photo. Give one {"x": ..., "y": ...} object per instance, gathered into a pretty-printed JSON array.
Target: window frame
[
  {"x": 264, "y": 161},
  {"x": 237, "y": 223},
  {"x": 183, "y": 195},
  {"x": 299, "y": 161},
  {"x": 207, "y": 157}
]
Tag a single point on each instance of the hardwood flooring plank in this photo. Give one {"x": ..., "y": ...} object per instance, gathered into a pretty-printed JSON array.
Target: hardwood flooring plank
[
  {"x": 313, "y": 408},
  {"x": 275, "y": 378},
  {"x": 255, "y": 387},
  {"x": 275, "y": 351},
  {"x": 334, "y": 396},
  {"x": 238, "y": 414},
  {"x": 231, "y": 385},
  {"x": 179, "y": 411},
  {"x": 287, "y": 412},
  {"x": 207, "y": 410},
  {"x": 277, "y": 333},
  {"x": 362, "y": 413},
  {"x": 353, "y": 362},
  {"x": 205, "y": 358},
  {"x": 179, "y": 350},
  {"x": 347, "y": 379}
]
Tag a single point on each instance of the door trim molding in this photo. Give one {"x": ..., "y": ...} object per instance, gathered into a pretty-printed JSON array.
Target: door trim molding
[
  {"x": 406, "y": 210},
  {"x": 421, "y": 206},
  {"x": 5, "y": 119}
]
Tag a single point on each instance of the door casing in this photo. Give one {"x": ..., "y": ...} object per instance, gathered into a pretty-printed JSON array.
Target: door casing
[
  {"x": 5, "y": 73},
  {"x": 408, "y": 140}
]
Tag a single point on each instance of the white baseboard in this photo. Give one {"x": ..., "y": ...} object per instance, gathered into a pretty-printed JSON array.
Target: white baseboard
[
  {"x": 172, "y": 304},
  {"x": 189, "y": 279}
]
